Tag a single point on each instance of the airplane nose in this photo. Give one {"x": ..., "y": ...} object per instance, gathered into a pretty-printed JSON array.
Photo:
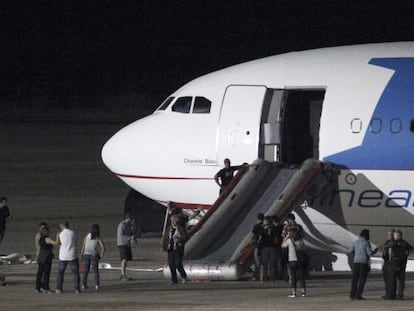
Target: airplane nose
[
  {"x": 119, "y": 151},
  {"x": 109, "y": 153},
  {"x": 150, "y": 157},
  {"x": 132, "y": 149}
]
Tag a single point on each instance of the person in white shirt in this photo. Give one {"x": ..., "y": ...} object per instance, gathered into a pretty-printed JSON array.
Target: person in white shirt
[
  {"x": 93, "y": 249},
  {"x": 67, "y": 256}
]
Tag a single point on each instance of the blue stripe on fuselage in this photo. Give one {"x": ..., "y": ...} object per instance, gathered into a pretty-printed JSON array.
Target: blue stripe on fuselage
[{"x": 387, "y": 150}]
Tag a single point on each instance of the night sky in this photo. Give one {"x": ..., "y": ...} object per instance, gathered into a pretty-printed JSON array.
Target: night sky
[{"x": 77, "y": 54}]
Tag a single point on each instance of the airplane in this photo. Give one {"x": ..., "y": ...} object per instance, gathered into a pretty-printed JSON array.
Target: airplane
[{"x": 348, "y": 106}]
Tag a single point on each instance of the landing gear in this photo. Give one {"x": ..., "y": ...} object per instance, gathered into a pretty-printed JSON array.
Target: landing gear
[{"x": 148, "y": 214}]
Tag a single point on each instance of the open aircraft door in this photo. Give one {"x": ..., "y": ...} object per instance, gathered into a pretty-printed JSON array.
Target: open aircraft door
[{"x": 239, "y": 123}]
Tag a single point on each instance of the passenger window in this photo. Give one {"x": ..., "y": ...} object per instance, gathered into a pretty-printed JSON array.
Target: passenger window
[
  {"x": 356, "y": 125},
  {"x": 376, "y": 125},
  {"x": 412, "y": 126},
  {"x": 395, "y": 125},
  {"x": 182, "y": 104},
  {"x": 202, "y": 105},
  {"x": 166, "y": 103}
]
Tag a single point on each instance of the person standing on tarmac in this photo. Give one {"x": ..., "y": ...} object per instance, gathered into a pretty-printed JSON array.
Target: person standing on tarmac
[
  {"x": 287, "y": 228},
  {"x": 44, "y": 260},
  {"x": 174, "y": 245},
  {"x": 4, "y": 215},
  {"x": 256, "y": 232},
  {"x": 361, "y": 250},
  {"x": 125, "y": 238},
  {"x": 225, "y": 175},
  {"x": 386, "y": 267},
  {"x": 399, "y": 252},
  {"x": 278, "y": 227},
  {"x": 93, "y": 249},
  {"x": 295, "y": 246},
  {"x": 68, "y": 255},
  {"x": 267, "y": 246}
]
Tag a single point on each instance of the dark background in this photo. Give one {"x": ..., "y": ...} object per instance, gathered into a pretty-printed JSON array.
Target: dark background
[{"x": 117, "y": 60}]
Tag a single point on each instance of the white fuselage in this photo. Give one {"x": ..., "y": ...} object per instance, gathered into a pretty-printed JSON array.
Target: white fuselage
[{"x": 173, "y": 156}]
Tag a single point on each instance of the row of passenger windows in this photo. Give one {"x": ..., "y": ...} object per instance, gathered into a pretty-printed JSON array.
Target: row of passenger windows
[
  {"x": 183, "y": 104},
  {"x": 377, "y": 125}
]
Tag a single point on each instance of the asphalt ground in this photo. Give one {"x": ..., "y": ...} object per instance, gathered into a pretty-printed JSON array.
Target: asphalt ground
[
  {"x": 150, "y": 291},
  {"x": 52, "y": 172}
]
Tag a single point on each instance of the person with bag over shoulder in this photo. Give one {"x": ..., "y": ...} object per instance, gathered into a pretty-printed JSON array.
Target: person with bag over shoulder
[{"x": 295, "y": 245}]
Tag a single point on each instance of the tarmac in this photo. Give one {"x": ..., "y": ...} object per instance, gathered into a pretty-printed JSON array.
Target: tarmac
[
  {"x": 52, "y": 172},
  {"x": 150, "y": 291}
]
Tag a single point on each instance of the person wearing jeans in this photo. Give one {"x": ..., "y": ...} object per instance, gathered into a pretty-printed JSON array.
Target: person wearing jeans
[
  {"x": 44, "y": 260},
  {"x": 361, "y": 250},
  {"x": 295, "y": 245},
  {"x": 74, "y": 266},
  {"x": 67, "y": 256},
  {"x": 92, "y": 250},
  {"x": 173, "y": 243}
]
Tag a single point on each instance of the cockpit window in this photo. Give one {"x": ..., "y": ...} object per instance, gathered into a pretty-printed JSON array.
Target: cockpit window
[
  {"x": 166, "y": 103},
  {"x": 182, "y": 104},
  {"x": 201, "y": 105}
]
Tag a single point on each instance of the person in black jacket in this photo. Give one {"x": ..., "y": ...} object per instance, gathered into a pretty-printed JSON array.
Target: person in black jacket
[
  {"x": 399, "y": 252},
  {"x": 44, "y": 261},
  {"x": 278, "y": 228},
  {"x": 267, "y": 248},
  {"x": 386, "y": 267},
  {"x": 256, "y": 232},
  {"x": 4, "y": 215}
]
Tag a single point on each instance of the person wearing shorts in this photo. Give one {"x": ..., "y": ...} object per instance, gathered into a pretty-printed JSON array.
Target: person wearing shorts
[{"x": 125, "y": 238}]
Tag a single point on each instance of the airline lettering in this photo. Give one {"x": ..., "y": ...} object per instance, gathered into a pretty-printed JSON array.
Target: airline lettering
[
  {"x": 370, "y": 198},
  {"x": 205, "y": 161}
]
